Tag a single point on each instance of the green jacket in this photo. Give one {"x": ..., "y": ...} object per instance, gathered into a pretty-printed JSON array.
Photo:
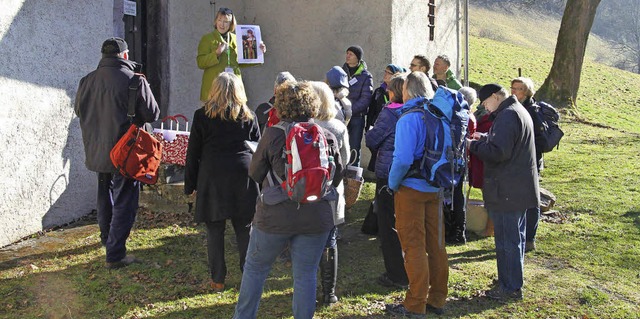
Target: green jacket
[
  {"x": 213, "y": 64},
  {"x": 452, "y": 82}
]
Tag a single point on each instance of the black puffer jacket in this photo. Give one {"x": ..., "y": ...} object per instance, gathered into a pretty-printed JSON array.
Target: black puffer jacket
[
  {"x": 101, "y": 104},
  {"x": 360, "y": 89},
  {"x": 508, "y": 154}
]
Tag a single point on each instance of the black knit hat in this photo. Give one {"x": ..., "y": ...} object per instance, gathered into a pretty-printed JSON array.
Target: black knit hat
[
  {"x": 114, "y": 46},
  {"x": 357, "y": 50},
  {"x": 487, "y": 90}
]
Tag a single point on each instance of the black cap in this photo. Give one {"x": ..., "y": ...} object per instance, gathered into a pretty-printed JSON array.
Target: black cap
[
  {"x": 357, "y": 50},
  {"x": 114, "y": 46},
  {"x": 487, "y": 90}
]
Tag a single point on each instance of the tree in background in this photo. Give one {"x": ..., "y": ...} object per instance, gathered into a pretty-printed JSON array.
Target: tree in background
[
  {"x": 562, "y": 84},
  {"x": 619, "y": 21}
]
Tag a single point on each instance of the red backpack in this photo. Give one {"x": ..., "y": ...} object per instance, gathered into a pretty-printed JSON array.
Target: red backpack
[{"x": 309, "y": 169}]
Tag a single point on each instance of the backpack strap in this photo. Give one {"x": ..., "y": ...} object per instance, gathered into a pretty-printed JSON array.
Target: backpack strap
[
  {"x": 272, "y": 177},
  {"x": 133, "y": 94},
  {"x": 414, "y": 170}
]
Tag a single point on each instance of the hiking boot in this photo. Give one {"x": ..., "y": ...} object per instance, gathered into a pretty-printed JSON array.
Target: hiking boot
[
  {"x": 497, "y": 293},
  {"x": 435, "y": 310},
  {"x": 529, "y": 246},
  {"x": 126, "y": 261},
  {"x": 400, "y": 310},
  {"x": 217, "y": 286},
  {"x": 385, "y": 281}
]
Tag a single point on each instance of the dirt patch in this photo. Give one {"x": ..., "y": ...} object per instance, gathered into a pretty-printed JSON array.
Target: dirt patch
[{"x": 56, "y": 296}]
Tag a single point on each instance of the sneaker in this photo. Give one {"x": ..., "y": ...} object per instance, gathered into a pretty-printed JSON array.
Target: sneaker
[
  {"x": 126, "y": 261},
  {"x": 434, "y": 310},
  {"x": 529, "y": 246},
  {"x": 385, "y": 281},
  {"x": 498, "y": 293},
  {"x": 400, "y": 310}
]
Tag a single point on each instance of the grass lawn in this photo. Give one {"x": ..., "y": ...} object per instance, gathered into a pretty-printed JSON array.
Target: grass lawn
[{"x": 586, "y": 266}]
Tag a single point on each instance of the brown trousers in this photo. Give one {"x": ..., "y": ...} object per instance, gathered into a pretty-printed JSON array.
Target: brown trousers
[{"x": 420, "y": 226}]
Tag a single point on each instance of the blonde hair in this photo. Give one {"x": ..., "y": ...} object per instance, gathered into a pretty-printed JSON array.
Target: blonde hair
[
  {"x": 232, "y": 25},
  {"x": 327, "y": 110},
  {"x": 227, "y": 99},
  {"x": 295, "y": 100},
  {"x": 528, "y": 84}
]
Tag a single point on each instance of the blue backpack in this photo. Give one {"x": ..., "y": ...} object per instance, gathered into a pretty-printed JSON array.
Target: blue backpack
[{"x": 446, "y": 118}]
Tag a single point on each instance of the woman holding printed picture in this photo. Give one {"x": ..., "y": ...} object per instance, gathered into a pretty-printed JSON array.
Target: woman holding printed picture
[{"x": 217, "y": 51}]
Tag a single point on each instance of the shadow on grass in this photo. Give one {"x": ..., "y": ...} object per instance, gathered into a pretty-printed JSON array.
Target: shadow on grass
[
  {"x": 634, "y": 214},
  {"x": 471, "y": 256},
  {"x": 173, "y": 281},
  {"x": 82, "y": 287}
]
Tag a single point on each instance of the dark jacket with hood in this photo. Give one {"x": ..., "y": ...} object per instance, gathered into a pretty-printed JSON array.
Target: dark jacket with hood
[
  {"x": 287, "y": 216},
  {"x": 101, "y": 104},
  {"x": 508, "y": 154},
  {"x": 360, "y": 89}
]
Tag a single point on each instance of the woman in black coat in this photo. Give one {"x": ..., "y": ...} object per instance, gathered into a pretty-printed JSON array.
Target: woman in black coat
[{"x": 217, "y": 169}]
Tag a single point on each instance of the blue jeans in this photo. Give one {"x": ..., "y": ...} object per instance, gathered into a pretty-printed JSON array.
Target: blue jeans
[
  {"x": 332, "y": 241},
  {"x": 117, "y": 207},
  {"x": 509, "y": 230},
  {"x": 533, "y": 217},
  {"x": 306, "y": 250},
  {"x": 356, "y": 130}
]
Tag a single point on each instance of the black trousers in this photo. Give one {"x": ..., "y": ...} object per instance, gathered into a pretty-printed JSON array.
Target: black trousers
[
  {"x": 389, "y": 242},
  {"x": 215, "y": 245},
  {"x": 117, "y": 207}
]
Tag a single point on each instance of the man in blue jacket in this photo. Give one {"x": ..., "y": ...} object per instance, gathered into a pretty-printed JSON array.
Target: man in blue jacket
[
  {"x": 360, "y": 95},
  {"x": 418, "y": 207},
  {"x": 510, "y": 183}
]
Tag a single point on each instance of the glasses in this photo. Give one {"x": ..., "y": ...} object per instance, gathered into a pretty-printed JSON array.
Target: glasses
[
  {"x": 226, "y": 11},
  {"x": 516, "y": 89},
  {"x": 388, "y": 72},
  {"x": 413, "y": 65}
]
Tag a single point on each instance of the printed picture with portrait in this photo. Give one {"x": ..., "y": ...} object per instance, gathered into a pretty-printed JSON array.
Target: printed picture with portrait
[{"x": 249, "y": 39}]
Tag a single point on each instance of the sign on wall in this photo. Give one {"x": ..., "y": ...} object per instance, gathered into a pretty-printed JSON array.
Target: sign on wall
[{"x": 130, "y": 8}]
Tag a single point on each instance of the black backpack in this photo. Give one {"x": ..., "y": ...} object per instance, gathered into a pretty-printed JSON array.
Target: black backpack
[{"x": 551, "y": 134}]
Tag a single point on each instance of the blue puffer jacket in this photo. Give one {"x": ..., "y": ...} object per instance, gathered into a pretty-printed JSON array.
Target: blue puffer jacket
[
  {"x": 381, "y": 137},
  {"x": 360, "y": 89}
]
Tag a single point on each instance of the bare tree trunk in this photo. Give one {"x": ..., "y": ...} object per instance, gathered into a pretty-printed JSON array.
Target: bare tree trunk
[{"x": 561, "y": 86}]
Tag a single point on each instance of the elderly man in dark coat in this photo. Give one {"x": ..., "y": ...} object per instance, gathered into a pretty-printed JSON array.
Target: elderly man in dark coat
[
  {"x": 101, "y": 105},
  {"x": 510, "y": 183}
]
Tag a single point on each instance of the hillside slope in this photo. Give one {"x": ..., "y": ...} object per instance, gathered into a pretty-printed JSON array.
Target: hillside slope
[
  {"x": 607, "y": 96},
  {"x": 529, "y": 29}
]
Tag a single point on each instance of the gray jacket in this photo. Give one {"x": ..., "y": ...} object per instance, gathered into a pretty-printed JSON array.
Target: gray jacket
[
  {"x": 101, "y": 104},
  {"x": 509, "y": 156},
  {"x": 287, "y": 217}
]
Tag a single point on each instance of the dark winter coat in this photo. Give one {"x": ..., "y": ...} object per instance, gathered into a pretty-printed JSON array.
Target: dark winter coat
[
  {"x": 360, "y": 89},
  {"x": 378, "y": 101},
  {"x": 289, "y": 217},
  {"x": 381, "y": 137},
  {"x": 101, "y": 104},
  {"x": 538, "y": 128},
  {"x": 508, "y": 154},
  {"x": 217, "y": 167}
]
